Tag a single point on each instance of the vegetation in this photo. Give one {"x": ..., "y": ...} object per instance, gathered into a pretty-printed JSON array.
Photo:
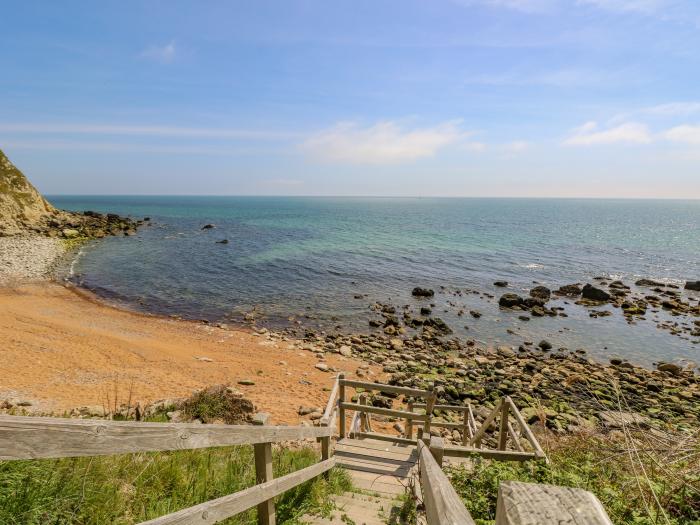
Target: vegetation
[
  {"x": 132, "y": 488},
  {"x": 641, "y": 477}
]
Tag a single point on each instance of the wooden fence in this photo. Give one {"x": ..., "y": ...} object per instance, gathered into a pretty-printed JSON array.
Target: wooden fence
[{"x": 44, "y": 437}]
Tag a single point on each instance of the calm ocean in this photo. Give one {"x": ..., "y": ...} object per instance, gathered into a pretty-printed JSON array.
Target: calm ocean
[{"x": 306, "y": 259}]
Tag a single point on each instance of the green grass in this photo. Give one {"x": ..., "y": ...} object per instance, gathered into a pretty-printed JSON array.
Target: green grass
[
  {"x": 132, "y": 488},
  {"x": 636, "y": 482}
]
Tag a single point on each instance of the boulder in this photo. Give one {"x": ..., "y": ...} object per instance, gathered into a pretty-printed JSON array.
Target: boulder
[
  {"x": 670, "y": 368},
  {"x": 545, "y": 345},
  {"x": 422, "y": 292},
  {"x": 70, "y": 233},
  {"x": 509, "y": 300},
  {"x": 541, "y": 292},
  {"x": 208, "y": 226},
  {"x": 594, "y": 294},
  {"x": 501, "y": 284},
  {"x": 569, "y": 290},
  {"x": 693, "y": 285},
  {"x": 649, "y": 283}
]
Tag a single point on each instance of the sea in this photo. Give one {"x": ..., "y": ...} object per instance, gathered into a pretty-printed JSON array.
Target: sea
[{"x": 319, "y": 263}]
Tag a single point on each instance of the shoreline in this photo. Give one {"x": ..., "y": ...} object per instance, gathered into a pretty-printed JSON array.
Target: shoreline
[{"x": 97, "y": 347}]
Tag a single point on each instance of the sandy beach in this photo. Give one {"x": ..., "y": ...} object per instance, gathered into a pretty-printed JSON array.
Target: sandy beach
[{"x": 63, "y": 349}]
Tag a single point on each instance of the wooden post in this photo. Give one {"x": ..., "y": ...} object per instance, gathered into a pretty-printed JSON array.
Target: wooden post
[
  {"x": 263, "y": 473},
  {"x": 341, "y": 410},
  {"x": 409, "y": 422},
  {"x": 429, "y": 404},
  {"x": 363, "y": 415},
  {"x": 437, "y": 449},
  {"x": 503, "y": 433},
  {"x": 465, "y": 428}
]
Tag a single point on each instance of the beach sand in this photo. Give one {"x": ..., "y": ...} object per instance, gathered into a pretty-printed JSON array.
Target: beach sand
[{"x": 62, "y": 349}]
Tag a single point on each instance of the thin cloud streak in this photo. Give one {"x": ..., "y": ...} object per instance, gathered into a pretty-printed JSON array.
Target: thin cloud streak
[
  {"x": 138, "y": 130},
  {"x": 589, "y": 134}
]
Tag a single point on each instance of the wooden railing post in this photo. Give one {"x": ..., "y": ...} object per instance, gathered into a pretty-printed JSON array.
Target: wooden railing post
[
  {"x": 263, "y": 473},
  {"x": 363, "y": 415},
  {"x": 408, "y": 431},
  {"x": 503, "y": 433},
  {"x": 429, "y": 405},
  {"x": 341, "y": 410},
  {"x": 437, "y": 449},
  {"x": 465, "y": 428}
]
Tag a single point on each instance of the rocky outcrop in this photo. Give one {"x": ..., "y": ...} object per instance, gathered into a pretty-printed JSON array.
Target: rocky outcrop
[
  {"x": 693, "y": 285},
  {"x": 24, "y": 211}
]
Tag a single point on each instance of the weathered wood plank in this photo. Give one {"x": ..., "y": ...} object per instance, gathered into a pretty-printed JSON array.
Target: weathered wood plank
[
  {"x": 442, "y": 504},
  {"x": 478, "y": 436},
  {"x": 44, "y": 437},
  {"x": 503, "y": 432},
  {"x": 219, "y": 509},
  {"x": 263, "y": 474},
  {"x": 533, "y": 504},
  {"x": 387, "y": 437},
  {"x": 455, "y": 408},
  {"x": 437, "y": 449},
  {"x": 503, "y": 455},
  {"x": 525, "y": 429},
  {"x": 341, "y": 400},
  {"x": 382, "y": 411},
  {"x": 331, "y": 402},
  {"x": 414, "y": 392}
]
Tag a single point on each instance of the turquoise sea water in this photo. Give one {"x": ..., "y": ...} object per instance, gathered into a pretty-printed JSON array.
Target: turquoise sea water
[{"x": 306, "y": 259}]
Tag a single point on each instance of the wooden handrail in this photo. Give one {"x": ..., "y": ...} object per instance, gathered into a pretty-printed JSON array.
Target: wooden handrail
[
  {"x": 383, "y": 411},
  {"x": 23, "y": 437},
  {"x": 525, "y": 428},
  {"x": 331, "y": 405},
  {"x": 414, "y": 392},
  {"x": 219, "y": 509},
  {"x": 442, "y": 503}
]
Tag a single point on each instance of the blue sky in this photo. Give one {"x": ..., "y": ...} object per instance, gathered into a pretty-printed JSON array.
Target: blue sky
[{"x": 591, "y": 98}]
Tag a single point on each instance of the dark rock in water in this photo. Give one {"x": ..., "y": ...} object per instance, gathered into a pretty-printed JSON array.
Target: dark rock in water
[
  {"x": 501, "y": 284},
  {"x": 569, "y": 290},
  {"x": 545, "y": 345},
  {"x": 208, "y": 226},
  {"x": 438, "y": 325},
  {"x": 509, "y": 300},
  {"x": 523, "y": 318},
  {"x": 619, "y": 285},
  {"x": 670, "y": 368},
  {"x": 374, "y": 323},
  {"x": 475, "y": 314},
  {"x": 222, "y": 241},
  {"x": 693, "y": 285},
  {"x": 425, "y": 310},
  {"x": 616, "y": 361},
  {"x": 648, "y": 282},
  {"x": 594, "y": 294},
  {"x": 422, "y": 292},
  {"x": 541, "y": 292}
]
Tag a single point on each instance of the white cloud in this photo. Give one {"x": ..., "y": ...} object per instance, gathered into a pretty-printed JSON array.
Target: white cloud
[
  {"x": 640, "y": 6},
  {"x": 685, "y": 134},
  {"x": 590, "y": 134},
  {"x": 383, "y": 143},
  {"x": 163, "y": 54},
  {"x": 673, "y": 109}
]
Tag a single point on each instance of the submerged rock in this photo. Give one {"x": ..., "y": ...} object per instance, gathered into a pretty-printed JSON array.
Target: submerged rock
[
  {"x": 693, "y": 285},
  {"x": 422, "y": 292},
  {"x": 569, "y": 290},
  {"x": 541, "y": 292},
  {"x": 509, "y": 300}
]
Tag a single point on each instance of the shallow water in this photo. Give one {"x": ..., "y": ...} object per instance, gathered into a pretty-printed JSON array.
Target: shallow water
[{"x": 297, "y": 257}]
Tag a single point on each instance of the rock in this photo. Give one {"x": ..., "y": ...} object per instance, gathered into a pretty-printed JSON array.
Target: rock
[
  {"x": 323, "y": 367},
  {"x": 345, "y": 351},
  {"x": 396, "y": 344},
  {"x": 422, "y": 292},
  {"x": 541, "y": 292},
  {"x": 545, "y": 345},
  {"x": 692, "y": 285},
  {"x": 222, "y": 241},
  {"x": 475, "y": 314},
  {"x": 510, "y": 300},
  {"x": 205, "y": 359},
  {"x": 246, "y": 382},
  {"x": 569, "y": 290},
  {"x": 208, "y": 226},
  {"x": 617, "y": 419},
  {"x": 70, "y": 233},
  {"x": 594, "y": 294},
  {"x": 501, "y": 284},
  {"x": 505, "y": 351},
  {"x": 670, "y": 368},
  {"x": 615, "y": 361},
  {"x": 648, "y": 283},
  {"x": 305, "y": 411},
  {"x": 425, "y": 310},
  {"x": 399, "y": 428}
]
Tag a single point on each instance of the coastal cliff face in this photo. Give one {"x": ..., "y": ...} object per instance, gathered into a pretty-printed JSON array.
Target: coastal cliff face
[
  {"x": 22, "y": 207},
  {"x": 23, "y": 211}
]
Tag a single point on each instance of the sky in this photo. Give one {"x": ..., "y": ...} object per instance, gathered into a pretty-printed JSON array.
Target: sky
[{"x": 518, "y": 98}]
